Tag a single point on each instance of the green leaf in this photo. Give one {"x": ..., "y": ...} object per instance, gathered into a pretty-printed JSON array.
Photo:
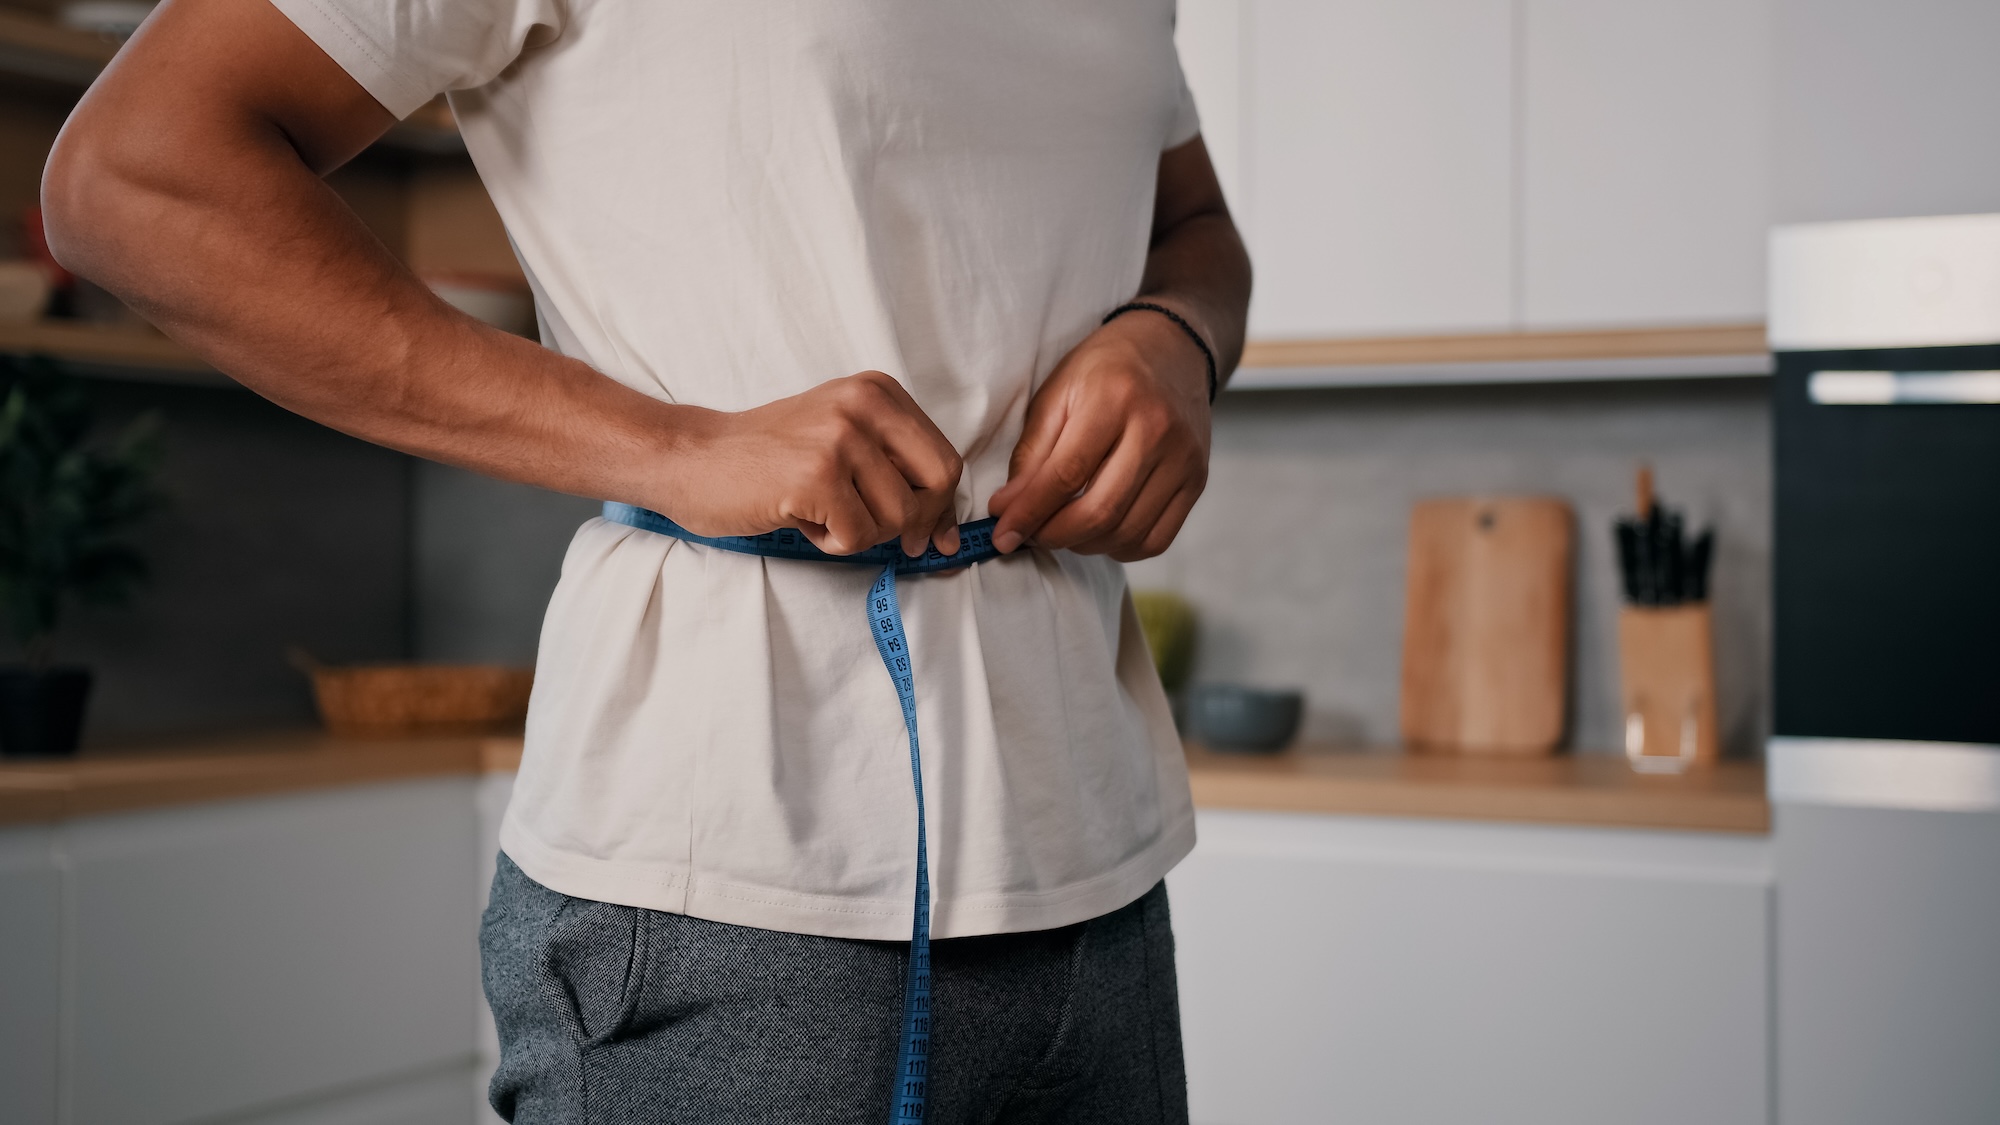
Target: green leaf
[{"x": 69, "y": 498}]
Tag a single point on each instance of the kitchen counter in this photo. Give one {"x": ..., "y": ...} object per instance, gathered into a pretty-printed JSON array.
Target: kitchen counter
[
  {"x": 122, "y": 779},
  {"x": 1582, "y": 789},
  {"x": 1597, "y": 790}
]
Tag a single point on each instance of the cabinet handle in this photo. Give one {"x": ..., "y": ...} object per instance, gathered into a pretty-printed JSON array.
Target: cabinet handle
[{"x": 1902, "y": 388}]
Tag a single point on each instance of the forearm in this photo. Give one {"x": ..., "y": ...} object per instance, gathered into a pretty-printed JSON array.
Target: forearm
[
  {"x": 1198, "y": 267},
  {"x": 1114, "y": 451},
  {"x": 285, "y": 291},
  {"x": 215, "y": 227}
]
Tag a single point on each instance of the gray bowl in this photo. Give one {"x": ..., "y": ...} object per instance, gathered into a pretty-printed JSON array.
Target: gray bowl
[{"x": 1231, "y": 717}]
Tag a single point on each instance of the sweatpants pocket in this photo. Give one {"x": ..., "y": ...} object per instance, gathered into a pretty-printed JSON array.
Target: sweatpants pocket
[{"x": 593, "y": 967}]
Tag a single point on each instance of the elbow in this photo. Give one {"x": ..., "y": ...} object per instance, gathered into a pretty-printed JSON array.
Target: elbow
[{"x": 85, "y": 200}]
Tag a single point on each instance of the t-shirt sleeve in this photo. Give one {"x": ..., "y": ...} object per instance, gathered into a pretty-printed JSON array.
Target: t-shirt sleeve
[
  {"x": 406, "y": 52},
  {"x": 1187, "y": 123}
]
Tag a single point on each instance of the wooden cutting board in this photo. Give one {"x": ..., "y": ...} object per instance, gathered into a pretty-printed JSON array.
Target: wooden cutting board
[{"x": 1486, "y": 625}]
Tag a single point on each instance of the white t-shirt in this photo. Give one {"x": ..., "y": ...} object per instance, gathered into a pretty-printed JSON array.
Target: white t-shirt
[{"x": 729, "y": 202}]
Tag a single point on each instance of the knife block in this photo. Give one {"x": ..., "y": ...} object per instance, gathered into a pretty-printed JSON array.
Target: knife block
[{"x": 1666, "y": 673}]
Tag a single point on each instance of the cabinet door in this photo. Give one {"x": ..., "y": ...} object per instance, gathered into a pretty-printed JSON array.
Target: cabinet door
[
  {"x": 1379, "y": 166},
  {"x": 1646, "y": 147},
  {"x": 30, "y": 975},
  {"x": 435, "y": 1098},
  {"x": 1392, "y": 972},
  {"x": 233, "y": 956}
]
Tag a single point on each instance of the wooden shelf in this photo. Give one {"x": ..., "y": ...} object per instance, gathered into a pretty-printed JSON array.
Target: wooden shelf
[
  {"x": 1700, "y": 351},
  {"x": 33, "y": 47},
  {"x": 1298, "y": 365},
  {"x": 136, "y": 353},
  {"x": 45, "y": 51}
]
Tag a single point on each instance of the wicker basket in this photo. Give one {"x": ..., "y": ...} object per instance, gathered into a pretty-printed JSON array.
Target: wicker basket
[{"x": 384, "y": 700}]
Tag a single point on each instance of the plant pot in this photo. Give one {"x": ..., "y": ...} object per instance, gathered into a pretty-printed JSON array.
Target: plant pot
[{"x": 41, "y": 712}]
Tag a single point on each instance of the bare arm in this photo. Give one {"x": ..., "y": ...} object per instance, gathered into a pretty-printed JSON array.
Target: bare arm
[
  {"x": 187, "y": 182},
  {"x": 1197, "y": 264},
  {"x": 1115, "y": 450}
]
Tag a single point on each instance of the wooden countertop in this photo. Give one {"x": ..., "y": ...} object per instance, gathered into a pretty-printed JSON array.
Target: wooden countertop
[
  {"x": 230, "y": 766},
  {"x": 1584, "y": 789},
  {"x": 1595, "y": 790}
]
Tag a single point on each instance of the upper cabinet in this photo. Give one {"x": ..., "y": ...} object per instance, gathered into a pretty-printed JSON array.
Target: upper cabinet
[
  {"x": 1378, "y": 177},
  {"x": 1644, "y": 148},
  {"x": 1442, "y": 167}
]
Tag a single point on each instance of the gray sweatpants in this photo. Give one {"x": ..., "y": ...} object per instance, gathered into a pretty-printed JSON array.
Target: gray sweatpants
[{"x": 614, "y": 1014}]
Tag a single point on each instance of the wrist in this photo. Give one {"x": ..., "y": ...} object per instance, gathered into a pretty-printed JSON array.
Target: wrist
[
  {"x": 1183, "y": 331},
  {"x": 668, "y": 444}
]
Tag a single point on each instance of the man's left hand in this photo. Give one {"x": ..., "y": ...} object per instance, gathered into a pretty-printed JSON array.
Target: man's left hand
[{"x": 1115, "y": 450}]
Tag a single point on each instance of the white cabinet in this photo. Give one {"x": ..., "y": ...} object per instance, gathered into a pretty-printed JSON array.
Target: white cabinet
[
  {"x": 229, "y": 958},
  {"x": 431, "y": 1098},
  {"x": 304, "y": 959},
  {"x": 1416, "y": 167},
  {"x": 1401, "y": 971},
  {"x": 1378, "y": 166},
  {"x": 1646, "y": 153},
  {"x": 30, "y": 975}
]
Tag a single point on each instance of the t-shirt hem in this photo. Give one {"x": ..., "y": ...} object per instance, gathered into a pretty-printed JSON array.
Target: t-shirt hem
[
  {"x": 674, "y": 890},
  {"x": 364, "y": 60}
]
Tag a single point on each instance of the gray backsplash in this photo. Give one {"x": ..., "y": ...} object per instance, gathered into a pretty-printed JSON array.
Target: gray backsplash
[
  {"x": 1294, "y": 558},
  {"x": 276, "y": 532},
  {"x": 488, "y": 553}
]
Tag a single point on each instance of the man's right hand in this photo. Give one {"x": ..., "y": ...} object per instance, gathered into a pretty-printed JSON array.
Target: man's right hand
[{"x": 852, "y": 463}]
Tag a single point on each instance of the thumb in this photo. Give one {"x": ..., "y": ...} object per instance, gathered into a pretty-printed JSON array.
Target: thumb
[{"x": 1044, "y": 424}]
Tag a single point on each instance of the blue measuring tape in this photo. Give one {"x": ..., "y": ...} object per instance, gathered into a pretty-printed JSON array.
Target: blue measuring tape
[{"x": 885, "y": 623}]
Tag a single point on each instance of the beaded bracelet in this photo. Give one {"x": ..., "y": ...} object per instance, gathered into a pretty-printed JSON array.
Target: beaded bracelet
[{"x": 1214, "y": 383}]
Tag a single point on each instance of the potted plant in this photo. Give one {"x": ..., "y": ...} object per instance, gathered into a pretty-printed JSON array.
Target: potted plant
[{"x": 69, "y": 498}]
